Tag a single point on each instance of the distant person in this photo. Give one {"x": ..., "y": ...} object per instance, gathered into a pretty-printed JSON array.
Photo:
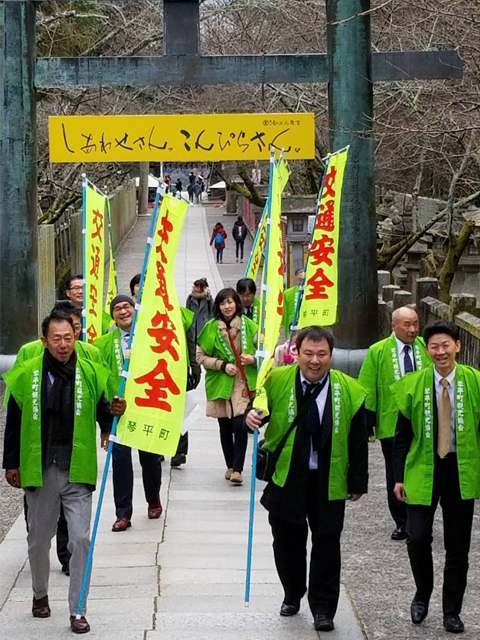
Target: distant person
[
  {"x": 179, "y": 187},
  {"x": 168, "y": 181},
  {"x": 239, "y": 234},
  {"x": 197, "y": 191},
  {"x": 218, "y": 240},
  {"x": 201, "y": 303},
  {"x": 246, "y": 289},
  {"x": 74, "y": 289},
  {"x": 135, "y": 285}
]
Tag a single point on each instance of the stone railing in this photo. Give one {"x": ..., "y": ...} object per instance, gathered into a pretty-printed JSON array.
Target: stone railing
[{"x": 462, "y": 311}]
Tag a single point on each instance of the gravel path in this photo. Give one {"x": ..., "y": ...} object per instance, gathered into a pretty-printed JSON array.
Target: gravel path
[{"x": 11, "y": 500}]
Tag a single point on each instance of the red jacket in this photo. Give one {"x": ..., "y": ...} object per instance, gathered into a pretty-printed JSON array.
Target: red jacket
[{"x": 218, "y": 228}]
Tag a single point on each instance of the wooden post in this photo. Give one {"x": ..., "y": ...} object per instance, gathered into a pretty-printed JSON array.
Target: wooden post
[{"x": 18, "y": 178}]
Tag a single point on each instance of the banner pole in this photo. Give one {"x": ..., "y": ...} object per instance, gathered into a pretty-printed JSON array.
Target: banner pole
[
  {"x": 88, "y": 566},
  {"x": 84, "y": 254},
  {"x": 301, "y": 288},
  {"x": 261, "y": 333},
  {"x": 256, "y": 240}
]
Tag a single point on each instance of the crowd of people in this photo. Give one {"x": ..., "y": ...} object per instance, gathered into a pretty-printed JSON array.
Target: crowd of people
[{"x": 411, "y": 394}]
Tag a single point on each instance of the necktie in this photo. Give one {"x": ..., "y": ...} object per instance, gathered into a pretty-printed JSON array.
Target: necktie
[
  {"x": 444, "y": 420},
  {"x": 407, "y": 361},
  {"x": 313, "y": 416}
]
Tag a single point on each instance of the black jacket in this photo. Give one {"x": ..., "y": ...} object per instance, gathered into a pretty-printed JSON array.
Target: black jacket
[
  {"x": 289, "y": 502},
  {"x": 239, "y": 231}
]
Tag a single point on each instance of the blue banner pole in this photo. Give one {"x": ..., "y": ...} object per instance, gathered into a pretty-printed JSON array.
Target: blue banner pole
[
  {"x": 88, "y": 566},
  {"x": 253, "y": 485}
]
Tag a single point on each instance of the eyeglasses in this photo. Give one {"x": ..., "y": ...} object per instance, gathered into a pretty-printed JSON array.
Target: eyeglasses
[{"x": 75, "y": 288}]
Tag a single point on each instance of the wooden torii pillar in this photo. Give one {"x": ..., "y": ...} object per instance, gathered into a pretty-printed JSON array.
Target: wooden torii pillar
[{"x": 349, "y": 67}]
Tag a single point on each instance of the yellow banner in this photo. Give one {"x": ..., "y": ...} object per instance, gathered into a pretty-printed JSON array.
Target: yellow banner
[
  {"x": 181, "y": 138},
  {"x": 94, "y": 222},
  {"x": 320, "y": 297},
  {"x": 157, "y": 378},
  {"x": 258, "y": 248},
  {"x": 274, "y": 264}
]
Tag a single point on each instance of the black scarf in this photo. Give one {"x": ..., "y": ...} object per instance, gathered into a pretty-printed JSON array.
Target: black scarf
[{"x": 60, "y": 395}]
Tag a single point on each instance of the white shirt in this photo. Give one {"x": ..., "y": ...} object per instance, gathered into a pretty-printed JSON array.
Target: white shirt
[
  {"x": 321, "y": 400},
  {"x": 401, "y": 355},
  {"x": 451, "y": 393},
  {"x": 124, "y": 337}
]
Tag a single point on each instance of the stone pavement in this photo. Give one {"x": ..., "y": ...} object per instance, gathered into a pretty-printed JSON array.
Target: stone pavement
[{"x": 180, "y": 577}]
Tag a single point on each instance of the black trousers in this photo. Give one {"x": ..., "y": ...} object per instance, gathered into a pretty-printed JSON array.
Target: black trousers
[
  {"x": 457, "y": 529},
  {"x": 123, "y": 478},
  {"x": 234, "y": 440},
  {"x": 239, "y": 248},
  {"x": 63, "y": 554},
  {"x": 290, "y": 553},
  {"x": 183, "y": 444},
  {"x": 397, "y": 509}
]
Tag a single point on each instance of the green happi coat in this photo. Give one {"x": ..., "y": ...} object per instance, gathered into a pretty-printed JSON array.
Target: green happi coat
[
  {"x": 414, "y": 395},
  {"x": 256, "y": 311},
  {"x": 379, "y": 371},
  {"x": 110, "y": 347},
  {"x": 219, "y": 384},
  {"x": 36, "y": 348},
  {"x": 347, "y": 398},
  {"x": 290, "y": 297},
  {"x": 24, "y": 383}
]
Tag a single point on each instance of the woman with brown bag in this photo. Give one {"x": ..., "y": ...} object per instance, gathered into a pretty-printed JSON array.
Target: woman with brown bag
[{"x": 226, "y": 349}]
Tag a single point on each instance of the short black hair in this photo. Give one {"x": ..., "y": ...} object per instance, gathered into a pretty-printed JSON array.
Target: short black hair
[
  {"x": 201, "y": 282},
  {"x": 56, "y": 316},
  {"x": 223, "y": 295},
  {"x": 246, "y": 283},
  {"x": 317, "y": 334},
  {"x": 441, "y": 326},
  {"x": 70, "y": 279},
  {"x": 135, "y": 280},
  {"x": 67, "y": 307}
]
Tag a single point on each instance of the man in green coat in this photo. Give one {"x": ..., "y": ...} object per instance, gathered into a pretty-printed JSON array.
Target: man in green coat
[
  {"x": 436, "y": 457},
  {"x": 55, "y": 401},
  {"x": 84, "y": 349},
  {"x": 322, "y": 462},
  {"x": 113, "y": 347},
  {"x": 387, "y": 361}
]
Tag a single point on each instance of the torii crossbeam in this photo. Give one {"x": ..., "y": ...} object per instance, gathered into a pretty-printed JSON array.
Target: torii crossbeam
[{"x": 349, "y": 67}]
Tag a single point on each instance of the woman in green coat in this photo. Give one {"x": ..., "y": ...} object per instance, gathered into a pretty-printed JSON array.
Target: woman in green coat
[{"x": 227, "y": 388}]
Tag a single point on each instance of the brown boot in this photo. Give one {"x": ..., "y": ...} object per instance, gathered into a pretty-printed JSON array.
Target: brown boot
[
  {"x": 40, "y": 608},
  {"x": 79, "y": 626},
  {"x": 236, "y": 478},
  {"x": 228, "y": 474},
  {"x": 121, "y": 524},
  {"x": 155, "y": 510}
]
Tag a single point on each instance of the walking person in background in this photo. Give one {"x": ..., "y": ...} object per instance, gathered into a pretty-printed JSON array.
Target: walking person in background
[
  {"x": 179, "y": 187},
  {"x": 239, "y": 234},
  {"x": 218, "y": 240},
  {"x": 197, "y": 190},
  {"x": 226, "y": 349},
  {"x": 201, "y": 303}
]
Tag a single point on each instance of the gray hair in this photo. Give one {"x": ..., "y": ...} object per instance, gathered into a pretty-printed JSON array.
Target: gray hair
[{"x": 400, "y": 311}]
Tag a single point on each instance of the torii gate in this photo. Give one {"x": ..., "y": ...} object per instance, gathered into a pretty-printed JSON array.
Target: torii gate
[{"x": 349, "y": 67}]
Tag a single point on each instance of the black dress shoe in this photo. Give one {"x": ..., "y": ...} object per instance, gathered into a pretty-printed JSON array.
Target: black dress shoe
[
  {"x": 399, "y": 534},
  {"x": 418, "y": 611},
  {"x": 453, "y": 624},
  {"x": 323, "y": 623},
  {"x": 289, "y": 609},
  {"x": 66, "y": 569}
]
